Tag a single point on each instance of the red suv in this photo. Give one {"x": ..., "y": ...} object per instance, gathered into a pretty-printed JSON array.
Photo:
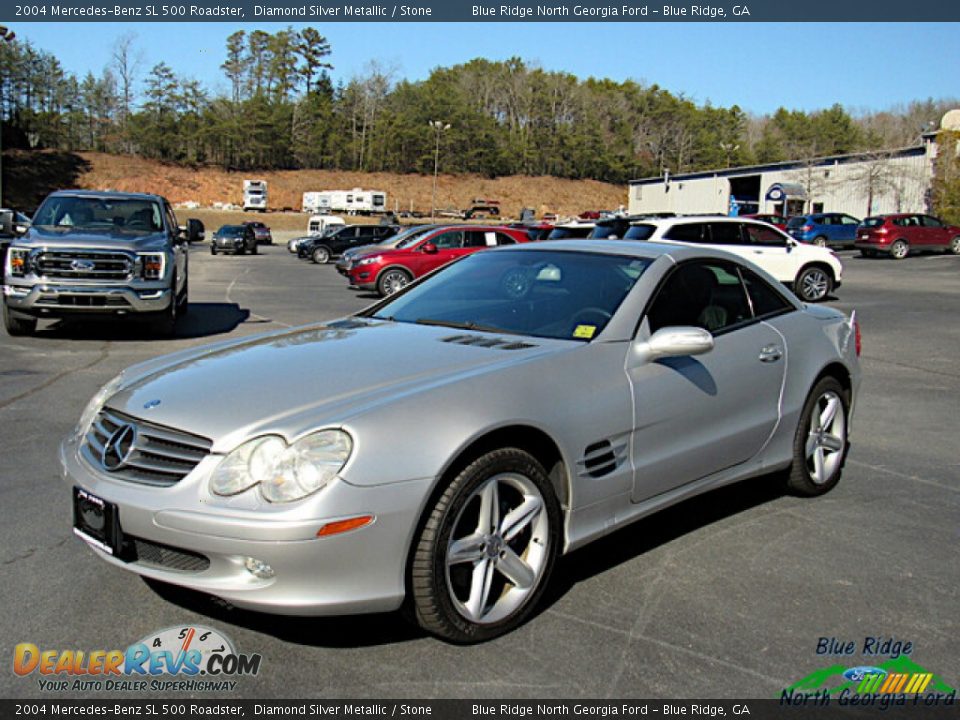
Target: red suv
[
  {"x": 899, "y": 235},
  {"x": 778, "y": 221},
  {"x": 390, "y": 270}
]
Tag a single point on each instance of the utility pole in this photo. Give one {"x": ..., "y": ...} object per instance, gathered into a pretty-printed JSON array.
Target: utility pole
[
  {"x": 7, "y": 35},
  {"x": 439, "y": 126}
]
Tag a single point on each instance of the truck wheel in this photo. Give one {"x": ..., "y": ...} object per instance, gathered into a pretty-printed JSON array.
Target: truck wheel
[
  {"x": 254, "y": 250},
  {"x": 213, "y": 249},
  {"x": 17, "y": 327},
  {"x": 183, "y": 304},
  {"x": 167, "y": 319}
]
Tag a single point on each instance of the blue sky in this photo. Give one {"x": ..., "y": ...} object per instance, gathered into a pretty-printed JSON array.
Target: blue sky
[{"x": 758, "y": 66}]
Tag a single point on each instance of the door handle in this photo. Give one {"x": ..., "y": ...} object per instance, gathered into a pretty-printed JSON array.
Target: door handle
[{"x": 770, "y": 353}]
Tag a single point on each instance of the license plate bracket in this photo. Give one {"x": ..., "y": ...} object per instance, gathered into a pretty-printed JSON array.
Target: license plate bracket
[{"x": 96, "y": 520}]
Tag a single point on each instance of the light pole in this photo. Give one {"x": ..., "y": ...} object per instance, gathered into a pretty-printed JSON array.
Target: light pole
[
  {"x": 7, "y": 35},
  {"x": 728, "y": 150},
  {"x": 440, "y": 127}
]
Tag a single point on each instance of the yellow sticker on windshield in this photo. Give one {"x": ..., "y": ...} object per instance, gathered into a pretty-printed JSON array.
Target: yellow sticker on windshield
[{"x": 585, "y": 331}]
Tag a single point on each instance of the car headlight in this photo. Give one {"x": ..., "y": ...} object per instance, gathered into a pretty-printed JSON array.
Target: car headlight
[
  {"x": 369, "y": 260},
  {"x": 93, "y": 407},
  {"x": 283, "y": 472}
]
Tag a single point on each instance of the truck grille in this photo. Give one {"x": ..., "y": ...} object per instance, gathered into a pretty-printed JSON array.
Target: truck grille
[
  {"x": 152, "y": 455},
  {"x": 83, "y": 265}
]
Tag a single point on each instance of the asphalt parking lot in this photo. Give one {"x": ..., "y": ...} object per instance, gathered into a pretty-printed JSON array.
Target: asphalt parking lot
[{"x": 725, "y": 596}]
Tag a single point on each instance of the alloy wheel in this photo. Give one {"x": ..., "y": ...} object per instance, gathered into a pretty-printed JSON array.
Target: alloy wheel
[
  {"x": 814, "y": 285},
  {"x": 826, "y": 438}
]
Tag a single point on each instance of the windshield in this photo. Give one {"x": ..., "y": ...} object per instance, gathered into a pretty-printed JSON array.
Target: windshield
[
  {"x": 412, "y": 238},
  {"x": 873, "y": 222},
  {"x": 640, "y": 232},
  {"x": 92, "y": 213},
  {"x": 567, "y": 233},
  {"x": 543, "y": 293},
  {"x": 406, "y": 237},
  {"x": 230, "y": 230}
]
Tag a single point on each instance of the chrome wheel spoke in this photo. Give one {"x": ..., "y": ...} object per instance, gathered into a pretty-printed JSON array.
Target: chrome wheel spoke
[
  {"x": 479, "y": 588},
  {"x": 818, "y": 465},
  {"x": 829, "y": 412},
  {"x": 813, "y": 440},
  {"x": 489, "y": 509},
  {"x": 519, "y": 518},
  {"x": 466, "y": 549},
  {"x": 514, "y": 569},
  {"x": 832, "y": 443}
]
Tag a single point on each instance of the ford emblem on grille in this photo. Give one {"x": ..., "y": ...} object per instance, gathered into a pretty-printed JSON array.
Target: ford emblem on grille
[
  {"x": 119, "y": 447},
  {"x": 82, "y": 265}
]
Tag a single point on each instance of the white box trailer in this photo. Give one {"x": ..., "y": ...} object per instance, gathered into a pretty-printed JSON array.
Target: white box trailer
[{"x": 255, "y": 195}]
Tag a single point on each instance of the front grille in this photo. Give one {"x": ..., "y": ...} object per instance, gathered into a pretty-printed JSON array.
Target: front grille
[
  {"x": 159, "y": 456},
  {"x": 81, "y": 301},
  {"x": 169, "y": 558},
  {"x": 84, "y": 265}
]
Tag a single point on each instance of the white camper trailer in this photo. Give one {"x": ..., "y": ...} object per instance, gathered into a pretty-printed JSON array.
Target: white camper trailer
[
  {"x": 316, "y": 202},
  {"x": 255, "y": 195}
]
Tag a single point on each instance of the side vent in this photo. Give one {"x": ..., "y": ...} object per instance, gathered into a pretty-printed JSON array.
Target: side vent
[
  {"x": 480, "y": 341},
  {"x": 602, "y": 458},
  {"x": 348, "y": 324}
]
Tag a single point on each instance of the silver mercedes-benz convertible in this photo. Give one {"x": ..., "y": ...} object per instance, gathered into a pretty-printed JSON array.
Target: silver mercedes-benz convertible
[{"x": 505, "y": 410}]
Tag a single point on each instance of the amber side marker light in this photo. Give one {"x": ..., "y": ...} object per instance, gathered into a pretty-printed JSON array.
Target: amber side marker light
[{"x": 342, "y": 526}]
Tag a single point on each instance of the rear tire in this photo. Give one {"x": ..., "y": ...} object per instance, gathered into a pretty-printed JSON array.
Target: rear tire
[
  {"x": 820, "y": 241},
  {"x": 18, "y": 326},
  {"x": 821, "y": 442},
  {"x": 813, "y": 284},
  {"x": 899, "y": 250}
]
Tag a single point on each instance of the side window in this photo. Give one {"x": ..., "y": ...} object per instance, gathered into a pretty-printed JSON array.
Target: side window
[
  {"x": 727, "y": 233},
  {"x": 766, "y": 236},
  {"x": 703, "y": 294},
  {"x": 687, "y": 232},
  {"x": 765, "y": 300},
  {"x": 847, "y": 220},
  {"x": 931, "y": 222},
  {"x": 475, "y": 238},
  {"x": 171, "y": 218},
  {"x": 504, "y": 239},
  {"x": 447, "y": 240}
]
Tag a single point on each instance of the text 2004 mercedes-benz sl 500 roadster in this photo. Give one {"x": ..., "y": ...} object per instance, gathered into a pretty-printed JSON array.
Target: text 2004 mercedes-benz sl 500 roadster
[{"x": 501, "y": 412}]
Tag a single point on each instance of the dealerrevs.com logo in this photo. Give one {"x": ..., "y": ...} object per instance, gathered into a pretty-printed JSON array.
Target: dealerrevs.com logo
[{"x": 189, "y": 659}]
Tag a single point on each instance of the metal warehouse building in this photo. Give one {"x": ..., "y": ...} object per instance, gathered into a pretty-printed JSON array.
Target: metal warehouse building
[{"x": 860, "y": 184}]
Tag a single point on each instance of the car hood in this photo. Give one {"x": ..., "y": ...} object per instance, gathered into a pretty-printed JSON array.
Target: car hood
[
  {"x": 112, "y": 239},
  {"x": 295, "y": 381}
]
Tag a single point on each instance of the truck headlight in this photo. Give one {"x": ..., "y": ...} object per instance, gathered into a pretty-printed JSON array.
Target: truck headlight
[
  {"x": 17, "y": 261},
  {"x": 153, "y": 265},
  {"x": 283, "y": 472}
]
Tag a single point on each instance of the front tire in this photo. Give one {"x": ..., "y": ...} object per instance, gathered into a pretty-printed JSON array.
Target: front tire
[
  {"x": 899, "y": 250},
  {"x": 820, "y": 241},
  {"x": 392, "y": 280},
  {"x": 321, "y": 255},
  {"x": 486, "y": 551},
  {"x": 813, "y": 284},
  {"x": 821, "y": 442},
  {"x": 213, "y": 249},
  {"x": 18, "y": 326},
  {"x": 954, "y": 247}
]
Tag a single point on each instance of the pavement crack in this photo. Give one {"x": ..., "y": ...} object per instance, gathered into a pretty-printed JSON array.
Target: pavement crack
[{"x": 104, "y": 352}]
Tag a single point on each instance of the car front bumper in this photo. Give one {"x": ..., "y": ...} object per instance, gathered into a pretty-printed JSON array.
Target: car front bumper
[
  {"x": 354, "y": 572},
  {"x": 53, "y": 300}
]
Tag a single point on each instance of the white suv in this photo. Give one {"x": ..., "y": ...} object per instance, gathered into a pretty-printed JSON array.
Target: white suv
[{"x": 811, "y": 271}]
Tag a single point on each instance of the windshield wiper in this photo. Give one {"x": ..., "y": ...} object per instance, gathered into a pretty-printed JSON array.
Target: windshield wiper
[{"x": 463, "y": 326}]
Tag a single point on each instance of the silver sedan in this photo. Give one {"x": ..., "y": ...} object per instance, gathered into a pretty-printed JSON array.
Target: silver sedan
[{"x": 503, "y": 411}]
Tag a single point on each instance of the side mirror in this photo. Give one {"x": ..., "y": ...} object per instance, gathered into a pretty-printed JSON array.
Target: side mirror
[
  {"x": 429, "y": 249},
  {"x": 195, "y": 230},
  {"x": 679, "y": 341}
]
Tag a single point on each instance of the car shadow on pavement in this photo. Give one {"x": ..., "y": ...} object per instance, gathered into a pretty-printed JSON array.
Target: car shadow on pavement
[
  {"x": 658, "y": 529},
  {"x": 598, "y": 557},
  {"x": 203, "y": 320}
]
